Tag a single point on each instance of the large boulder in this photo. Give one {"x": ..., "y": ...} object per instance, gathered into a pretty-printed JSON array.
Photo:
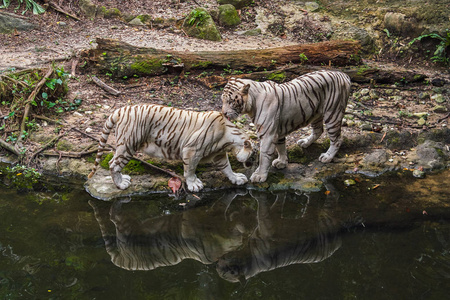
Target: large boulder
[
  {"x": 400, "y": 24},
  {"x": 228, "y": 15},
  {"x": 9, "y": 23},
  {"x": 200, "y": 24}
]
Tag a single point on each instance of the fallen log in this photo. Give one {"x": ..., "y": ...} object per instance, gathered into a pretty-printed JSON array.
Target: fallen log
[
  {"x": 359, "y": 74},
  {"x": 121, "y": 59}
]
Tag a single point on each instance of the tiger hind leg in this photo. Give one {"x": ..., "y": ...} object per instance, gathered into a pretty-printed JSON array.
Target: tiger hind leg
[
  {"x": 334, "y": 133},
  {"x": 117, "y": 163},
  {"x": 282, "y": 160},
  {"x": 317, "y": 130}
]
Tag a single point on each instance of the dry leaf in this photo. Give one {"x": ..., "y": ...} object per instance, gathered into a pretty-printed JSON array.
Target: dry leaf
[{"x": 174, "y": 183}]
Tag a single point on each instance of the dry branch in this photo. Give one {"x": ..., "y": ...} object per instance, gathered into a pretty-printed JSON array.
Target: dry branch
[
  {"x": 9, "y": 147},
  {"x": 106, "y": 87},
  {"x": 57, "y": 8}
]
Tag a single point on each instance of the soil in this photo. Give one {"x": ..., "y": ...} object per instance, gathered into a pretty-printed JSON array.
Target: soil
[{"x": 61, "y": 39}]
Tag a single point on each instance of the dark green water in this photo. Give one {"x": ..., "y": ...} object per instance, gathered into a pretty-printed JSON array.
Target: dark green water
[{"x": 357, "y": 242}]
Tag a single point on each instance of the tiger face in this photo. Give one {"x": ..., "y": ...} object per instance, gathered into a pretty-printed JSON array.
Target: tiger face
[{"x": 235, "y": 98}]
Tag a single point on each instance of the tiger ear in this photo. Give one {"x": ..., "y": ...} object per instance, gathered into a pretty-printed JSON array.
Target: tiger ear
[{"x": 245, "y": 88}]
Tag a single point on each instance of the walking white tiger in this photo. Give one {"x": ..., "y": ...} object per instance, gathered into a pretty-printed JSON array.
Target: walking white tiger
[
  {"x": 171, "y": 133},
  {"x": 279, "y": 109}
]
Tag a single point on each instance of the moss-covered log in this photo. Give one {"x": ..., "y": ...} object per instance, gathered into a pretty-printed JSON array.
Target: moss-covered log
[
  {"x": 121, "y": 59},
  {"x": 359, "y": 74}
]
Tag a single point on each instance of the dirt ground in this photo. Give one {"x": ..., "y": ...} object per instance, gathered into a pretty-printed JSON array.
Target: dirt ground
[{"x": 60, "y": 39}]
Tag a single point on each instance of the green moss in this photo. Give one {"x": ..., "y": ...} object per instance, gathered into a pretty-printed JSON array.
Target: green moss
[
  {"x": 148, "y": 66},
  {"x": 146, "y": 19},
  {"x": 201, "y": 64},
  {"x": 64, "y": 145},
  {"x": 105, "y": 161},
  {"x": 134, "y": 167},
  {"x": 278, "y": 76}
]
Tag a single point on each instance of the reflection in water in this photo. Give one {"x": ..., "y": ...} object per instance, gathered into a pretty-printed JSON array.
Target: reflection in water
[{"x": 243, "y": 234}]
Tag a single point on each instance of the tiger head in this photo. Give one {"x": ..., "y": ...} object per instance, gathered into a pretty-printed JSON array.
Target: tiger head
[
  {"x": 234, "y": 98},
  {"x": 246, "y": 154}
]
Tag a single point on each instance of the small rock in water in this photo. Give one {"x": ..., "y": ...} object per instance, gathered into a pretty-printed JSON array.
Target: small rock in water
[
  {"x": 418, "y": 173},
  {"x": 349, "y": 182}
]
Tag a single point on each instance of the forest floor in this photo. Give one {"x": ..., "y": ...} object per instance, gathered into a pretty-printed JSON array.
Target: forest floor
[{"x": 60, "y": 39}]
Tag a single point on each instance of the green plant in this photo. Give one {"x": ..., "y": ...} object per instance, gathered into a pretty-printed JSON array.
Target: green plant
[
  {"x": 22, "y": 177},
  {"x": 303, "y": 58},
  {"x": 29, "y": 4},
  {"x": 440, "y": 54},
  {"x": 197, "y": 17}
]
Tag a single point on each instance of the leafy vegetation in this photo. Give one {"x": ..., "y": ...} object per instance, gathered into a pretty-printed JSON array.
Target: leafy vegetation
[
  {"x": 440, "y": 54},
  {"x": 22, "y": 177},
  {"x": 197, "y": 17},
  {"x": 29, "y": 4}
]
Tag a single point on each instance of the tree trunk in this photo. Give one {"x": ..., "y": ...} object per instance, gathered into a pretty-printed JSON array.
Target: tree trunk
[{"x": 121, "y": 59}]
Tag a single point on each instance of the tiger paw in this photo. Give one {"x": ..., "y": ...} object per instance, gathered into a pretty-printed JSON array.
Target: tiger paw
[
  {"x": 124, "y": 183},
  {"x": 194, "y": 184},
  {"x": 239, "y": 179},
  {"x": 279, "y": 164},
  {"x": 325, "y": 158},
  {"x": 256, "y": 177},
  {"x": 304, "y": 143}
]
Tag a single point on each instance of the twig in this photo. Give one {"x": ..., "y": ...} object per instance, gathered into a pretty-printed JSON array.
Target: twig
[
  {"x": 46, "y": 119},
  {"x": 49, "y": 144},
  {"x": 59, "y": 9},
  {"x": 31, "y": 98},
  {"x": 72, "y": 154},
  {"x": 384, "y": 135},
  {"x": 9, "y": 147},
  {"x": 74, "y": 67},
  {"x": 442, "y": 119},
  {"x": 106, "y": 87}
]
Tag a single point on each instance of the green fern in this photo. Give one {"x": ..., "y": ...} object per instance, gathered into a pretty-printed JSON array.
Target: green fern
[
  {"x": 440, "y": 54},
  {"x": 29, "y": 4}
]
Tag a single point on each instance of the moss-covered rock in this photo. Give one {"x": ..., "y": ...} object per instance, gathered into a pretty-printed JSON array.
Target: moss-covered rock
[
  {"x": 199, "y": 24},
  {"x": 228, "y": 15}
]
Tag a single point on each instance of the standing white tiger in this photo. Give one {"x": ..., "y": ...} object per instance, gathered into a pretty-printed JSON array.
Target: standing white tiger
[
  {"x": 171, "y": 133},
  {"x": 279, "y": 109}
]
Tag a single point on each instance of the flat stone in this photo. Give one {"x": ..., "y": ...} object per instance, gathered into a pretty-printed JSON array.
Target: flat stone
[{"x": 9, "y": 23}]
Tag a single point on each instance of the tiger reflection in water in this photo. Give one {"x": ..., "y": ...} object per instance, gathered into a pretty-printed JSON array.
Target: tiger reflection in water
[{"x": 242, "y": 241}]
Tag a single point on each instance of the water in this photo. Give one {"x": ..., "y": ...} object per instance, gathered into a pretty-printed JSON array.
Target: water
[{"x": 390, "y": 241}]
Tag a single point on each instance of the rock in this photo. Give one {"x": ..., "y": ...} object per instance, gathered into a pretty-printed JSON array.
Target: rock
[
  {"x": 439, "y": 98},
  {"x": 88, "y": 8},
  {"x": 364, "y": 92},
  {"x": 421, "y": 122},
  {"x": 418, "y": 173},
  {"x": 356, "y": 33},
  {"x": 228, "y": 15},
  {"x": 424, "y": 95},
  {"x": 366, "y": 127},
  {"x": 398, "y": 23},
  {"x": 420, "y": 114},
  {"x": 376, "y": 158},
  {"x": 9, "y": 23},
  {"x": 438, "y": 82},
  {"x": 312, "y": 6},
  {"x": 431, "y": 154},
  {"x": 439, "y": 109},
  {"x": 252, "y": 32},
  {"x": 199, "y": 24},
  {"x": 102, "y": 187},
  {"x": 136, "y": 22},
  {"x": 238, "y": 4},
  {"x": 349, "y": 182}
]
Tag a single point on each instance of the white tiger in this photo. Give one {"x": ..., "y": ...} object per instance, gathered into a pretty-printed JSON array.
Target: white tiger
[
  {"x": 175, "y": 134},
  {"x": 279, "y": 109}
]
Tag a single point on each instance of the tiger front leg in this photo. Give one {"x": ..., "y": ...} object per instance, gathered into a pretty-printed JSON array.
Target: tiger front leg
[
  {"x": 222, "y": 163},
  {"x": 266, "y": 152},
  {"x": 190, "y": 162},
  {"x": 116, "y": 165},
  {"x": 282, "y": 160}
]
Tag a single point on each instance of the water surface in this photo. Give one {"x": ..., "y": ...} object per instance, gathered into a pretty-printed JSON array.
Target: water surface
[{"x": 383, "y": 238}]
